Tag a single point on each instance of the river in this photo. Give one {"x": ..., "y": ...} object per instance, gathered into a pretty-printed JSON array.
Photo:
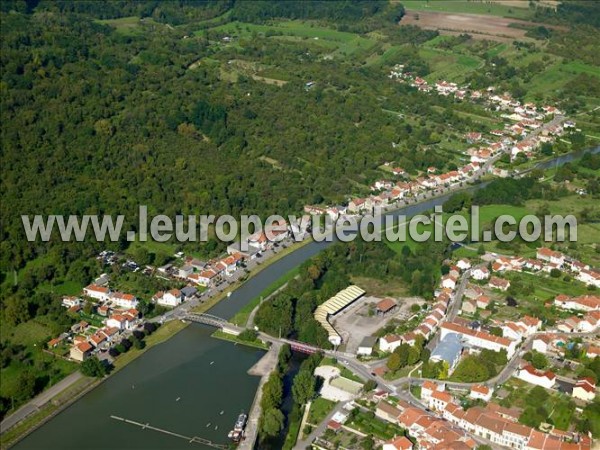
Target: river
[{"x": 207, "y": 375}]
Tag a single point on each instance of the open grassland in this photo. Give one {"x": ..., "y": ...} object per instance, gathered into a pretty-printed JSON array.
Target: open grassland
[
  {"x": 342, "y": 43},
  {"x": 447, "y": 65},
  {"x": 516, "y": 9}
]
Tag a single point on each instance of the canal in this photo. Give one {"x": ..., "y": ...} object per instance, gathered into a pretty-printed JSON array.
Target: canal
[{"x": 184, "y": 384}]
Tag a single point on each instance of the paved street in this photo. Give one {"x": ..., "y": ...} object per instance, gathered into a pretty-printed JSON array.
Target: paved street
[{"x": 39, "y": 401}]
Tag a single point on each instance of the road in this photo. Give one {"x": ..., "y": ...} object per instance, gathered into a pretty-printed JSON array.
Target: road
[
  {"x": 37, "y": 402},
  {"x": 319, "y": 430}
]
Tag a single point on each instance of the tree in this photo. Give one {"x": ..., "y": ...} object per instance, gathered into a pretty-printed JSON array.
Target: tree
[
  {"x": 413, "y": 355},
  {"x": 272, "y": 422},
  {"x": 93, "y": 367},
  {"x": 394, "y": 362},
  {"x": 369, "y": 385},
  {"x": 539, "y": 360},
  {"x": 272, "y": 392},
  {"x": 303, "y": 388}
]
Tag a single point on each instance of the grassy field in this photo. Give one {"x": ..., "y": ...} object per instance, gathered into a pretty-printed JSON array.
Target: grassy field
[
  {"x": 560, "y": 407},
  {"x": 231, "y": 338},
  {"x": 364, "y": 423},
  {"x": 447, "y": 65},
  {"x": 342, "y": 42},
  {"x": 518, "y": 11},
  {"x": 319, "y": 409},
  {"x": 551, "y": 80}
]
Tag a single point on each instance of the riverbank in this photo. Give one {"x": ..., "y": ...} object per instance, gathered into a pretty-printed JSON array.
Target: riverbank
[
  {"x": 208, "y": 304},
  {"x": 262, "y": 368},
  {"x": 80, "y": 387},
  {"x": 236, "y": 340},
  {"x": 70, "y": 394}
]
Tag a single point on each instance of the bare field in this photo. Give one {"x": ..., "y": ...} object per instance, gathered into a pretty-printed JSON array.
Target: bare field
[{"x": 479, "y": 26}]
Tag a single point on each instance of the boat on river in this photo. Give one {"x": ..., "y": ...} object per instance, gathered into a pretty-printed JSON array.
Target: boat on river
[{"x": 237, "y": 434}]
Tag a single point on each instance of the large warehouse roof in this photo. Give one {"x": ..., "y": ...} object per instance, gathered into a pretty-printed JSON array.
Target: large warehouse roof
[{"x": 334, "y": 305}]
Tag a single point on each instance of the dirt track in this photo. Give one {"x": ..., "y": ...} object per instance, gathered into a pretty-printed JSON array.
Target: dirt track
[{"x": 479, "y": 26}]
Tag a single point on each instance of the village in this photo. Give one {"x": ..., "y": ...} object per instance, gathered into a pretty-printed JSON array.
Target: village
[
  {"x": 527, "y": 127},
  {"x": 408, "y": 409},
  {"x": 107, "y": 317},
  {"x": 419, "y": 402}
]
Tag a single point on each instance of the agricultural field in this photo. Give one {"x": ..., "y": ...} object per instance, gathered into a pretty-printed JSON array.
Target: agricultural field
[{"x": 515, "y": 9}]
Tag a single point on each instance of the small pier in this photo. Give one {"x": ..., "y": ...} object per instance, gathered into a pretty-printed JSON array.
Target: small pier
[{"x": 190, "y": 439}]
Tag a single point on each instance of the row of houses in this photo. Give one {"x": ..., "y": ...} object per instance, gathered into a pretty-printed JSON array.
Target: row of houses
[
  {"x": 500, "y": 425},
  {"x": 587, "y": 323},
  {"x": 443, "y": 295},
  {"x": 583, "y": 389},
  {"x": 580, "y": 271},
  {"x": 428, "y": 431},
  {"x": 528, "y": 116},
  {"x": 116, "y": 299},
  {"x": 85, "y": 342}
]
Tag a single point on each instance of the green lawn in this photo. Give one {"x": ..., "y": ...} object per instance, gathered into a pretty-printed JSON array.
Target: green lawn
[
  {"x": 519, "y": 11},
  {"x": 319, "y": 409},
  {"x": 366, "y": 423},
  {"x": 448, "y": 65}
]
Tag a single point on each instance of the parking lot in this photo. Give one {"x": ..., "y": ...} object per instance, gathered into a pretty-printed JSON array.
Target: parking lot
[{"x": 356, "y": 322}]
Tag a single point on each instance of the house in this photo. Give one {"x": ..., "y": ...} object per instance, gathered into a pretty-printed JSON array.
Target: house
[
  {"x": 468, "y": 307},
  {"x": 499, "y": 283},
  {"x": 385, "y": 306},
  {"x": 585, "y": 389},
  {"x": 480, "y": 273},
  {"x": 53, "y": 343},
  {"x": 464, "y": 264},
  {"x": 81, "y": 351},
  {"x": 449, "y": 350},
  {"x": 185, "y": 271},
  {"x": 592, "y": 351},
  {"x": 581, "y": 303},
  {"x": 439, "y": 400},
  {"x": 399, "y": 443},
  {"x": 590, "y": 277},
  {"x": 479, "y": 391},
  {"x": 541, "y": 343},
  {"x": 448, "y": 282},
  {"x": 428, "y": 388},
  {"x": 122, "y": 300},
  {"x": 203, "y": 278},
  {"x": 548, "y": 255},
  {"x": 387, "y": 412},
  {"x": 365, "y": 348},
  {"x": 94, "y": 291},
  {"x": 531, "y": 375},
  {"x": 188, "y": 292},
  {"x": 514, "y": 331},
  {"x": 70, "y": 301},
  {"x": 119, "y": 321},
  {"x": 356, "y": 205},
  {"x": 389, "y": 343},
  {"x": 473, "y": 291},
  {"x": 480, "y": 339},
  {"x": 483, "y": 301},
  {"x": 103, "y": 310},
  {"x": 171, "y": 298}
]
